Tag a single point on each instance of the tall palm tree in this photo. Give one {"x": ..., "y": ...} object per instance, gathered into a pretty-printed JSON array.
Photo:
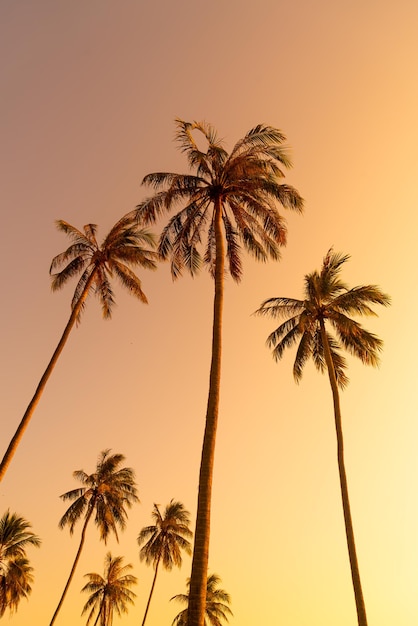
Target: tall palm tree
[
  {"x": 232, "y": 198},
  {"x": 109, "y": 593},
  {"x": 15, "y": 571},
  {"x": 106, "y": 493},
  {"x": 165, "y": 540},
  {"x": 327, "y": 307},
  {"x": 124, "y": 247},
  {"x": 217, "y": 604}
]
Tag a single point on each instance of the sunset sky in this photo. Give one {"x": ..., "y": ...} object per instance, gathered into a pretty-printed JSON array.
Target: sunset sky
[{"x": 89, "y": 93}]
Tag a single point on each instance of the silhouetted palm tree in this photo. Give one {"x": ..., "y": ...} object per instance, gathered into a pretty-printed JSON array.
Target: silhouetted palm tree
[
  {"x": 106, "y": 493},
  {"x": 15, "y": 572},
  {"x": 232, "y": 199},
  {"x": 124, "y": 247},
  {"x": 217, "y": 604},
  {"x": 166, "y": 539},
  {"x": 327, "y": 306},
  {"x": 109, "y": 593}
]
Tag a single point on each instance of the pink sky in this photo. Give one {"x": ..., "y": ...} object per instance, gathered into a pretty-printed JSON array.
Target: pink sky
[{"x": 89, "y": 94}]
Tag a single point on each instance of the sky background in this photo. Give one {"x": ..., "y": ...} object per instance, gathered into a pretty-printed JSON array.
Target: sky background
[{"x": 90, "y": 91}]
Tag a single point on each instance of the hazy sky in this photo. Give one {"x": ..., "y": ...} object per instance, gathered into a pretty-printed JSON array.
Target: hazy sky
[{"x": 90, "y": 91}]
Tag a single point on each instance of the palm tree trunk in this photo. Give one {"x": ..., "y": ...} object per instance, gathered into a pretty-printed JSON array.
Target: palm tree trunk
[
  {"x": 349, "y": 531},
  {"x": 151, "y": 592},
  {"x": 77, "y": 558},
  {"x": 198, "y": 579},
  {"x": 42, "y": 384}
]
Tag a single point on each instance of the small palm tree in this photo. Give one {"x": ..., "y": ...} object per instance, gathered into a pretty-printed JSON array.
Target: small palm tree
[
  {"x": 106, "y": 493},
  {"x": 217, "y": 604},
  {"x": 327, "y": 306},
  {"x": 124, "y": 247},
  {"x": 15, "y": 571},
  {"x": 165, "y": 540},
  {"x": 231, "y": 200},
  {"x": 109, "y": 593}
]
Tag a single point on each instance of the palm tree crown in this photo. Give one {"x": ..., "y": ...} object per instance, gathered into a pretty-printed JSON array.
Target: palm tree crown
[
  {"x": 167, "y": 537},
  {"x": 106, "y": 493},
  {"x": 245, "y": 185},
  {"x": 217, "y": 604},
  {"x": 330, "y": 302},
  {"x": 15, "y": 572},
  {"x": 165, "y": 540},
  {"x": 109, "y": 593},
  {"x": 124, "y": 247}
]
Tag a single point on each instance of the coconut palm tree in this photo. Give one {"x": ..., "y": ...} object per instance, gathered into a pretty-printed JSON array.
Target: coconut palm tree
[
  {"x": 105, "y": 494},
  {"x": 165, "y": 540},
  {"x": 217, "y": 604},
  {"x": 124, "y": 247},
  {"x": 109, "y": 593},
  {"x": 232, "y": 200},
  {"x": 322, "y": 327},
  {"x": 15, "y": 571}
]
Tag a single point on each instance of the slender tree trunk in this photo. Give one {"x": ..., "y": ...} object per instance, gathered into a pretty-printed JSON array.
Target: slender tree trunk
[
  {"x": 42, "y": 384},
  {"x": 77, "y": 558},
  {"x": 198, "y": 579},
  {"x": 349, "y": 531},
  {"x": 151, "y": 592}
]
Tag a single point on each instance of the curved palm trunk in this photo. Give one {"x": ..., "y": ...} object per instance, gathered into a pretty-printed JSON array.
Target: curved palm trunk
[
  {"x": 355, "y": 573},
  {"x": 77, "y": 558},
  {"x": 198, "y": 579},
  {"x": 42, "y": 384},
  {"x": 151, "y": 592}
]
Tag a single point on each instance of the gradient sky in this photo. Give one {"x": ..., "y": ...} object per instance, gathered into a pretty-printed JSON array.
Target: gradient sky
[{"x": 90, "y": 91}]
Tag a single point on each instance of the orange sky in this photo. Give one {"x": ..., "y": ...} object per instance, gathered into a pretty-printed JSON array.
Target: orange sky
[{"x": 89, "y": 94}]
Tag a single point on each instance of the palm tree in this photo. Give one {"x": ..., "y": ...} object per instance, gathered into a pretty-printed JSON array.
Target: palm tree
[
  {"x": 327, "y": 306},
  {"x": 166, "y": 538},
  {"x": 15, "y": 571},
  {"x": 233, "y": 199},
  {"x": 124, "y": 247},
  {"x": 217, "y": 601},
  {"x": 106, "y": 493},
  {"x": 109, "y": 593}
]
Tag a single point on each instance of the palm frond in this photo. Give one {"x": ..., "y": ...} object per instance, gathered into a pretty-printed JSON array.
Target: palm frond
[
  {"x": 104, "y": 291},
  {"x": 81, "y": 250},
  {"x": 129, "y": 280},
  {"x": 74, "y": 512},
  {"x": 356, "y": 340},
  {"x": 73, "y": 268},
  {"x": 280, "y": 307},
  {"x": 73, "y": 233},
  {"x": 356, "y": 301},
  {"x": 283, "y": 337},
  {"x": 232, "y": 249},
  {"x": 338, "y": 361},
  {"x": 184, "y": 137},
  {"x": 303, "y": 353}
]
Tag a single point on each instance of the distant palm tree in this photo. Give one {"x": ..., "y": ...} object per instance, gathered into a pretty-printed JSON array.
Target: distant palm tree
[
  {"x": 232, "y": 200},
  {"x": 124, "y": 247},
  {"x": 328, "y": 304},
  {"x": 217, "y": 601},
  {"x": 166, "y": 539},
  {"x": 110, "y": 593},
  {"x": 106, "y": 493},
  {"x": 15, "y": 571}
]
